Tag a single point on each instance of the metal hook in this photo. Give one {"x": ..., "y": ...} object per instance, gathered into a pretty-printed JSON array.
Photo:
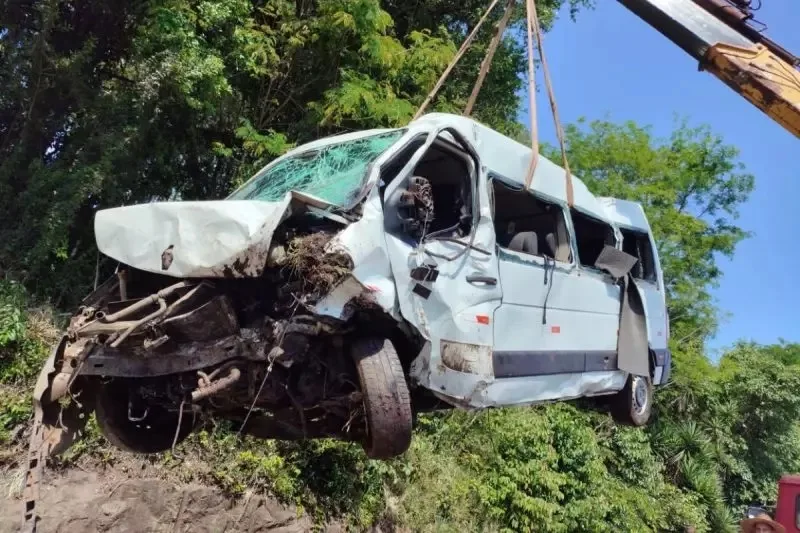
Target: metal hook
[{"x": 133, "y": 418}]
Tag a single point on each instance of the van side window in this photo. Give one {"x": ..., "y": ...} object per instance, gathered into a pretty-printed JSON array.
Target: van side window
[
  {"x": 637, "y": 244},
  {"x": 591, "y": 235},
  {"x": 527, "y": 224}
]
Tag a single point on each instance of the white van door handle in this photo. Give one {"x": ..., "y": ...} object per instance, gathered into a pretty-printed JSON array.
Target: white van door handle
[{"x": 479, "y": 278}]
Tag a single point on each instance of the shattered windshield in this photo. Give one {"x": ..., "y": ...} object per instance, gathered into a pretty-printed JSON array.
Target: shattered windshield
[{"x": 334, "y": 173}]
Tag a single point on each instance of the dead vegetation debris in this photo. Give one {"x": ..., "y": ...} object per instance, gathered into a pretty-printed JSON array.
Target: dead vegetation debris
[{"x": 320, "y": 270}]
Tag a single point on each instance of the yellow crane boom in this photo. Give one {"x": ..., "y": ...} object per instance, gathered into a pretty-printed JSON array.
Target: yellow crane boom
[{"x": 720, "y": 36}]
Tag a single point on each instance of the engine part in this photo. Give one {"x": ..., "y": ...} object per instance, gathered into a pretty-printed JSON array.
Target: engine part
[
  {"x": 104, "y": 323},
  {"x": 162, "y": 308},
  {"x": 214, "y": 319},
  {"x": 143, "y": 303},
  {"x": 214, "y": 387}
]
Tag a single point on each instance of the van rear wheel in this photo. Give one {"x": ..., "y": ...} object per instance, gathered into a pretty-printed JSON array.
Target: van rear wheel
[
  {"x": 387, "y": 401},
  {"x": 634, "y": 403}
]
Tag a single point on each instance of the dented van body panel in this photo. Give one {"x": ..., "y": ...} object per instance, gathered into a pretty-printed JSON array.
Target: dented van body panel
[
  {"x": 204, "y": 239},
  {"x": 249, "y": 307}
]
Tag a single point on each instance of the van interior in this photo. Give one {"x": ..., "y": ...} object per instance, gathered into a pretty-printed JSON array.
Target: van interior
[
  {"x": 527, "y": 224},
  {"x": 437, "y": 200}
]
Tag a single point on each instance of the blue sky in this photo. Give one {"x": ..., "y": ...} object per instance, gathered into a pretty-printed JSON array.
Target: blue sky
[{"x": 611, "y": 65}]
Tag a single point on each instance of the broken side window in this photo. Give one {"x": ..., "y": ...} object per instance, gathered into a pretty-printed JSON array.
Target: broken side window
[
  {"x": 527, "y": 224},
  {"x": 638, "y": 244},
  {"x": 437, "y": 200},
  {"x": 591, "y": 235}
]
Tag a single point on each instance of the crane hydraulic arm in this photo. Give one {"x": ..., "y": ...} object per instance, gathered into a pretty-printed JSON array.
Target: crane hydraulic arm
[{"x": 717, "y": 33}]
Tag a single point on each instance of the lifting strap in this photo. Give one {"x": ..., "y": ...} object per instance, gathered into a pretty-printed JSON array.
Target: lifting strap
[
  {"x": 530, "y": 7},
  {"x": 461, "y": 51},
  {"x": 533, "y": 29},
  {"x": 487, "y": 60},
  {"x": 533, "y": 20}
]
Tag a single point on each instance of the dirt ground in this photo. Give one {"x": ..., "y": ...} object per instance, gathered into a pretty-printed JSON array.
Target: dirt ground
[{"x": 81, "y": 501}]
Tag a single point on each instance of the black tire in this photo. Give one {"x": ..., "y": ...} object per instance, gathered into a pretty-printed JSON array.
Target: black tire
[
  {"x": 153, "y": 434},
  {"x": 386, "y": 398},
  {"x": 634, "y": 403}
]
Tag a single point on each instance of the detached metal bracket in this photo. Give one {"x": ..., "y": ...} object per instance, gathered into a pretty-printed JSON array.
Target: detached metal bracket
[
  {"x": 425, "y": 273},
  {"x": 419, "y": 290}
]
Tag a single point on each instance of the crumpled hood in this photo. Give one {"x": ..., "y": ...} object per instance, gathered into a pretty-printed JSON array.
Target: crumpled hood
[{"x": 224, "y": 238}]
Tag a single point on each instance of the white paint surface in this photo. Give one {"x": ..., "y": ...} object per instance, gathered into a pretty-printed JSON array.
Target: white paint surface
[{"x": 207, "y": 237}]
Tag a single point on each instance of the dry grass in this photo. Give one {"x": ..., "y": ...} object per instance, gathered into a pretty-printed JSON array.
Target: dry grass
[
  {"x": 41, "y": 325},
  {"x": 320, "y": 271}
]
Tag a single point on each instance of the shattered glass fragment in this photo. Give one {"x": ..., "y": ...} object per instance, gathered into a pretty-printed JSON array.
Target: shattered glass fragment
[{"x": 334, "y": 173}]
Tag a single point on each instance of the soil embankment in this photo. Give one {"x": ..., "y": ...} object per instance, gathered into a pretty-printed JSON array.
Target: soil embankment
[{"x": 82, "y": 501}]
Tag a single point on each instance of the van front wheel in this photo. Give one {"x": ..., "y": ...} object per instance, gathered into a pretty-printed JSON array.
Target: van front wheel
[
  {"x": 634, "y": 403},
  {"x": 386, "y": 399},
  {"x": 153, "y": 433}
]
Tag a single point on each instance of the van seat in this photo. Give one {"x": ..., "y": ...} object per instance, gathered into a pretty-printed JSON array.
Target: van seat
[{"x": 526, "y": 242}]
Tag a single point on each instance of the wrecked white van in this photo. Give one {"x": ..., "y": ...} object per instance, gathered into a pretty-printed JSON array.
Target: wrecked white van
[{"x": 355, "y": 281}]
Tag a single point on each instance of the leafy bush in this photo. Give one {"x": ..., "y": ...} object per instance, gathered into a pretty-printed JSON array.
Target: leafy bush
[{"x": 23, "y": 345}]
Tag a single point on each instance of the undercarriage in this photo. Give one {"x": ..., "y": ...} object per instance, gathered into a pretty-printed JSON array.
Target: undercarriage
[{"x": 154, "y": 355}]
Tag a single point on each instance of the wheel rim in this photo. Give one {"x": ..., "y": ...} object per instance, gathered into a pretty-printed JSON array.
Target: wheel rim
[{"x": 640, "y": 396}]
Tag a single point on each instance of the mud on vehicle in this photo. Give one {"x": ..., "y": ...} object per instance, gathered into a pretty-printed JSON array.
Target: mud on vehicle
[{"x": 355, "y": 281}]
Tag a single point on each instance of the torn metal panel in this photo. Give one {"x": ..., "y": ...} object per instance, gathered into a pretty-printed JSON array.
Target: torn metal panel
[
  {"x": 666, "y": 370},
  {"x": 441, "y": 309},
  {"x": 421, "y": 365},
  {"x": 453, "y": 304},
  {"x": 210, "y": 239},
  {"x": 472, "y": 326},
  {"x": 616, "y": 262},
  {"x": 335, "y": 303},
  {"x": 48, "y": 370},
  {"x": 365, "y": 242},
  {"x": 56, "y": 428},
  {"x": 633, "y": 351}
]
